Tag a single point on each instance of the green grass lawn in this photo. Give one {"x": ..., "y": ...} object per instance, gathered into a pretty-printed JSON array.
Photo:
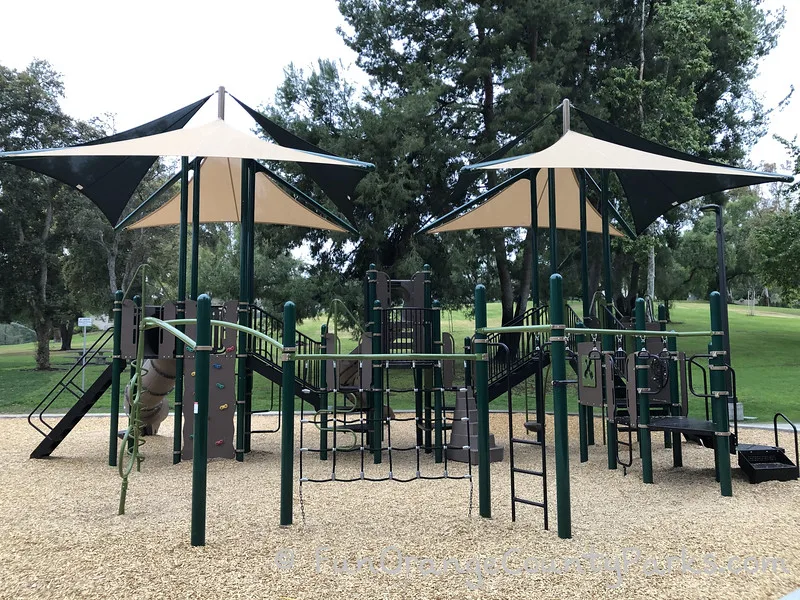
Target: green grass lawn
[{"x": 765, "y": 350}]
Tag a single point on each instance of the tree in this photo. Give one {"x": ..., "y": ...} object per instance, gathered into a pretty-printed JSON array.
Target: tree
[{"x": 33, "y": 225}]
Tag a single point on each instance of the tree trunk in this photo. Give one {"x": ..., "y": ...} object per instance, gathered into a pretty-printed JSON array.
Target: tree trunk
[
  {"x": 66, "y": 330},
  {"x": 651, "y": 271},
  {"x": 44, "y": 331}
]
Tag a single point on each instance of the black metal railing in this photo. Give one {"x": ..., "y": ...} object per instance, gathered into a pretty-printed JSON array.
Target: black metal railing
[
  {"x": 307, "y": 372},
  {"x": 522, "y": 347},
  {"x": 406, "y": 330},
  {"x": 68, "y": 383}
]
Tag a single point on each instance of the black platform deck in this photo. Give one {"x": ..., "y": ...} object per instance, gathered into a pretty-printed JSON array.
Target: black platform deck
[{"x": 677, "y": 424}]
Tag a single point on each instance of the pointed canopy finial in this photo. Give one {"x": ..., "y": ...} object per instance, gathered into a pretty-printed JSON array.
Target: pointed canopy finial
[{"x": 221, "y": 102}]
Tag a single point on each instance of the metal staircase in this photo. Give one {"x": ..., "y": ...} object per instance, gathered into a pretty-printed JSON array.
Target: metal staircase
[
  {"x": 265, "y": 359},
  {"x": 85, "y": 400}
]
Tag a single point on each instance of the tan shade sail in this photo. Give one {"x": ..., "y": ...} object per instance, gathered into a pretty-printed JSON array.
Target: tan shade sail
[
  {"x": 577, "y": 151},
  {"x": 214, "y": 139},
  {"x": 511, "y": 207},
  {"x": 220, "y": 201}
]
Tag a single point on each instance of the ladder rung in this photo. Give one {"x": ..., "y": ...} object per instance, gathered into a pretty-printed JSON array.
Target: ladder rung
[
  {"x": 524, "y": 441},
  {"x": 529, "y": 472},
  {"x": 529, "y": 502}
]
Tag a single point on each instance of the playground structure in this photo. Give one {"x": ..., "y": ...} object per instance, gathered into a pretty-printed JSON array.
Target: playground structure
[{"x": 630, "y": 387}]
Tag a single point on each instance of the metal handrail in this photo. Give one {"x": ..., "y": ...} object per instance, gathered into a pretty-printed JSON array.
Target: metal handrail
[
  {"x": 80, "y": 364},
  {"x": 775, "y": 426}
]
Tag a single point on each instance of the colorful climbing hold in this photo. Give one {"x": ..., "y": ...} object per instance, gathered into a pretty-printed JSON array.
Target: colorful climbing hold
[
  {"x": 193, "y": 373},
  {"x": 219, "y": 442},
  {"x": 230, "y": 348},
  {"x": 223, "y": 406},
  {"x": 221, "y": 386},
  {"x": 217, "y": 366}
]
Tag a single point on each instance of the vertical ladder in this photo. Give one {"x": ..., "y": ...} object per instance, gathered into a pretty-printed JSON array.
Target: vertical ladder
[{"x": 538, "y": 428}]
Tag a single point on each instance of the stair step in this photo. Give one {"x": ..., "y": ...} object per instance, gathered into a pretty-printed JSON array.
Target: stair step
[
  {"x": 528, "y": 472},
  {"x": 529, "y": 502}
]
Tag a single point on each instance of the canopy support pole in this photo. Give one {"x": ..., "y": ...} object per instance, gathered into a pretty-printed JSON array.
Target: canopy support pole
[
  {"x": 195, "y": 229},
  {"x": 534, "y": 239},
  {"x": 180, "y": 312},
  {"x": 221, "y": 102},
  {"x": 608, "y": 340},
  {"x": 251, "y": 236},
  {"x": 551, "y": 190},
  {"x": 588, "y": 411},
  {"x": 723, "y": 287},
  {"x": 243, "y": 309}
]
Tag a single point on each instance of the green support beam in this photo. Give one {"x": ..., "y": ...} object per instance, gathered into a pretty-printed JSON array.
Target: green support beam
[
  {"x": 482, "y": 399},
  {"x": 675, "y": 400},
  {"x": 116, "y": 371},
  {"x": 586, "y": 294},
  {"x": 243, "y": 310},
  {"x": 437, "y": 384},
  {"x": 200, "y": 439},
  {"x": 643, "y": 399},
  {"x": 534, "y": 233},
  {"x": 193, "y": 278},
  {"x": 551, "y": 191},
  {"x": 180, "y": 312},
  {"x": 377, "y": 386},
  {"x": 287, "y": 410},
  {"x": 662, "y": 325},
  {"x": 559, "y": 367},
  {"x": 323, "y": 397},
  {"x": 719, "y": 391}
]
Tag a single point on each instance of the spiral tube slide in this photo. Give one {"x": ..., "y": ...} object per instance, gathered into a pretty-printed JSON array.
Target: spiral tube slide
[{"x": 158, "y": 380}]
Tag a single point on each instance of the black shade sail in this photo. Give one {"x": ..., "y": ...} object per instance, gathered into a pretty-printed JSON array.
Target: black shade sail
[
  {"x": 108, "y": 181},
  {"x": 651, "y": 194},
  {"x": 338, "y": 183}
]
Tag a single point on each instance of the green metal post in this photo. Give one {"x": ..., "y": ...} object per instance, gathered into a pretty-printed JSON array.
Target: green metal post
[
  {"x": 719, "y": 391},
  {"x": 437, "y": 383},
  {"x": 662, "y": 322},
  {"x": 193, "y": 280},
  {"x": 287, "y": 409},
  {"x": 534, "y": 238},
  {"x": 180, "y": 313},
  {"x": 323, "y": 397},
  {"x": 242, "y": 432},
  {"x": 377, "y": 386},
  {"x": 608, "y": 340},
  {"x": 482, "y": 398},
  {"x": 643, "y": 400},
  {"x": 372, "y": 327},
  {"x": 674, "y": 398},
  {"x": 551, "y": 191},
  {"x": 583, "y": 418},
  {"x": 428, "y": 372},
  {"x": 586, "y": 293},
  {"x": 558, "y": 358},
  {"x": 467, "y": 363},
  {"x": 251, "y": 236},
  {"x": 116, "y": 371},
  {"x": 200, "y": 453}
]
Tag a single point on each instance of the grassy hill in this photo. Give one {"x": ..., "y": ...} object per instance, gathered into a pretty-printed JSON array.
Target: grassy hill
[{"x": 765, "y": 350}]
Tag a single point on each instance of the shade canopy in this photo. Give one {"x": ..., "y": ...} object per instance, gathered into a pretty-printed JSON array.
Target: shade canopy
[
  {"x": 652, "y": 193},
  {"x": 574, "y": 150},
  {"x": 338, "y": 183},
  {"x": 216, "y": 138},
  {"x": 220, "y": 201},
  {"x": 109, "y": 169},
  {"x": 108, "y": 181},
  {"x": 655, "y": 178},
  {"x": 509, "y": 205}
]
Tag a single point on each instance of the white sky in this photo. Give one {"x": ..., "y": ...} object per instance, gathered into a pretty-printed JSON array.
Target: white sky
[{"x": 142, "y": 59}]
